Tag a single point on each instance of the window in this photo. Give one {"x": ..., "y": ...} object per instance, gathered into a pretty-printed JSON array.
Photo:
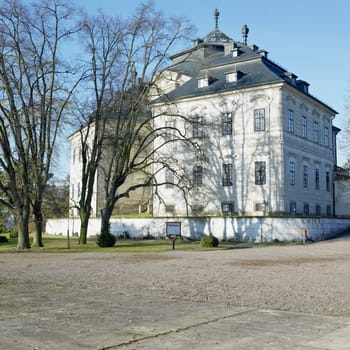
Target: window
[
  {"x": 197, "y": 175},
  {"x": 227, "y": 124},
  {"x": 72, "y": 191},
  {"x": 304, "y": 127},
  {"x": 317, "y": 179},
  {"x": 227, "y": 175},
  {"x": 315, "y": 132},
  {"x": 328, "y": 182},
  {"x": 329, "y": 210},
  {"x": 306, "y": 209},
  {"x": 259, "y": 119},
  {"x": 292, "y": 208},
  {"x": 292, "y": 173},
  {"x": 169, "y": 178},
  {"x": 227, "y": 208},
  {"x": 170, "y": 208},
  {"x": 260, "y": 206},
  {"x": 290, "y": 121},
  {"x": 197, "y": 209},
  {"x": 326, "y": 136},
  {"x": 197, "y": 127},
  {"x": 260, "y": 173},
  {"x": 318, "y": 210},
  {"x": 78, "y": 190},
  {"x": 74, "y": 155},
  {"x": 305, "y": 176}
]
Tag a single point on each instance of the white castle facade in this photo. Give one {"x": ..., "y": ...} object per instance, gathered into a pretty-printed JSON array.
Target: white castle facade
[{"x": 267, "y": 146}]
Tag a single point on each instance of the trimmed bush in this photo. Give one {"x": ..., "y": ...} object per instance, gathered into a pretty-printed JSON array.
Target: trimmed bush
[
  {"x": 209, "y": 241},
  {"x": 106, "y": 239}
]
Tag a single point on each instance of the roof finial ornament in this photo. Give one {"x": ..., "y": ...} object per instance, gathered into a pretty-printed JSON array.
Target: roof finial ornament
[
  {"x": 245, "y": 31},
  {"x": 216, "y": 17}
]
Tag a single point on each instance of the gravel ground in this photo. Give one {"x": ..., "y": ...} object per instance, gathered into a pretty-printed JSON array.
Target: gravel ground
[{"x": 312, "y": 278}]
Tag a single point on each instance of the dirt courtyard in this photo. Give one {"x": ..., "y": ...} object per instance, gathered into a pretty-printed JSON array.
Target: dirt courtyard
[{"x": 76, "y": 294}]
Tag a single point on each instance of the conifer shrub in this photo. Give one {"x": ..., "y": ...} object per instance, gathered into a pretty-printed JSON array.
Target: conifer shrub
[
  {"x": 209, "y": 241},
  {"x": 106, "y": 239}
]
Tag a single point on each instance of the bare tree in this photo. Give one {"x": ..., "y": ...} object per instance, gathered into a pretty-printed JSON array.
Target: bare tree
[
  {"x": 103, "y": 37},
  {"x": 56, "y": 199},
  {"x": 118, "y": 136},
  {"x": 36, "y": 88},
  {"x": 345, "y": 131},
  {"x": 136, "y": 142}
]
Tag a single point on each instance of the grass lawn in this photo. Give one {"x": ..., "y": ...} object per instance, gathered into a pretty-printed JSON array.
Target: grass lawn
[{"x": 59, "y": 244}]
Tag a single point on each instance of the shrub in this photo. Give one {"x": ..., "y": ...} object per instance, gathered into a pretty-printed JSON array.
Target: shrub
[
  {"x": 106, "y": 239},
  {"x": 209, "y": 241},
  {"x": 3, "y": 239}
]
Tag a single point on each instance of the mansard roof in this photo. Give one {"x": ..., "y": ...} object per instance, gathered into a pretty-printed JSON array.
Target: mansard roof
[
  {"x": 255, "y": 70},
  {"x": 216, "y": 55}
]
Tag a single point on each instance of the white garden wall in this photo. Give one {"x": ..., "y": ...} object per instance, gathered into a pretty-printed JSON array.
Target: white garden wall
[{"x": 254, "y": 229}]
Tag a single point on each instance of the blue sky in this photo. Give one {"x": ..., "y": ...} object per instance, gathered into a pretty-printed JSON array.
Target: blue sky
[
  {"x": 311, "y": 38},
  {"x": 308, "y": 37}
]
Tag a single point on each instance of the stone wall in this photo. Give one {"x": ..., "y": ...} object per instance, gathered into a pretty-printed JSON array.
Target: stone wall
[{"x": 255, "y": 229}]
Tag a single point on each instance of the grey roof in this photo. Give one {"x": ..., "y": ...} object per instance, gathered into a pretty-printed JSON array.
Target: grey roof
[
  {"x": 217, "y": 36},
  {"x": 253, "y": 72},
  {"x": 209, "y": 59}
]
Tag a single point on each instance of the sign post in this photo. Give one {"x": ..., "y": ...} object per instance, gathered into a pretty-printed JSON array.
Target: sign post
[{"x": 173, "y": 231}]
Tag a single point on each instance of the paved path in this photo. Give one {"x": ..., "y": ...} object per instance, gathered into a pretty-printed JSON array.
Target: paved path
[
  {"x": 62, "y": 316},
  {"x": 74, "y": 319}
]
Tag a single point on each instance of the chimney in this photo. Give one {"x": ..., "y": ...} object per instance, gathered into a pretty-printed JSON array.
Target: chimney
[
  {"x": 303, "y": 86},
  {"x": 262, "y": 53},
  {"x": 216, "y": 18},
  {"x": 292, "y": 77},
  {"x": 245, "y": 31},
  {"x": 197, "y": 42}
]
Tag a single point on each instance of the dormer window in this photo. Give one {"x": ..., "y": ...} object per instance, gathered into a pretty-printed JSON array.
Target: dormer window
[
  {"x": 232, "y": 77},
  {"x": 235, "y": 52},
  {"x": 203, "y": 82},
  {"x": 254, "y": 47}
]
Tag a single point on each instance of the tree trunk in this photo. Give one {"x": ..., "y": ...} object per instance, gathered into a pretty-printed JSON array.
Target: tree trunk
[
  {"x": 22, "y": 219},
  {"x": 106, "y": 214},
  {"x": 38, "y": 222},
  {"x": 84, "y": 223}
]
